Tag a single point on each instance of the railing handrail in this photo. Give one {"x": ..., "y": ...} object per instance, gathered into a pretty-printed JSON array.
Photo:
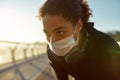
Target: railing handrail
[{"x": 13, "y": 42}]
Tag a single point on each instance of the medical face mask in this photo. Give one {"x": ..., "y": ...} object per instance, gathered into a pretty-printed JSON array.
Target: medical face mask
[{"x": 62, "y": 47}]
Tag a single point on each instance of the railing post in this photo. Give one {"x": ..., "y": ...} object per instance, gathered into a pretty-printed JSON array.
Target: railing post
[
  {"x": 13, "y": 52},
  {"x": 25, "y": 53},
  {"x": 32, "y": 50},
  {"x": 13, "y": 56}
]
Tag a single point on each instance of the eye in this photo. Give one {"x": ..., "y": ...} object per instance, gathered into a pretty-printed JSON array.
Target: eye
[{"x": 59, "y": 33}]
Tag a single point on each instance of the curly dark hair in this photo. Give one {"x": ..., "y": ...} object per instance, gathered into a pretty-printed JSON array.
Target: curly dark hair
[{"x": 72, "y": 10}]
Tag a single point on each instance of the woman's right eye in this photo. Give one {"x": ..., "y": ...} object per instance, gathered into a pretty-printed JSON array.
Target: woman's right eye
[{"x": 60, "y": 33}]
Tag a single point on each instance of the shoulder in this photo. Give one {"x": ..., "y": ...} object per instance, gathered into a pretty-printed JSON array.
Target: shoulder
[
  {"x": 105, "y": 41},
  {"x": 101, "y": 41}
]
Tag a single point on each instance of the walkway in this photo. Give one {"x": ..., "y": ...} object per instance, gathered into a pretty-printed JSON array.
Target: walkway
[{"x": 32, "y": 69}]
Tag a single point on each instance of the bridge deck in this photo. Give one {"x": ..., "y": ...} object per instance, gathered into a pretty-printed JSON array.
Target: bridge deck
[{"x": 32, "y": 69}]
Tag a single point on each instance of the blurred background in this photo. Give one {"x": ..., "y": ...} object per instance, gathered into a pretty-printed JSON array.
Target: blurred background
[{"x": 22, "y": 40}]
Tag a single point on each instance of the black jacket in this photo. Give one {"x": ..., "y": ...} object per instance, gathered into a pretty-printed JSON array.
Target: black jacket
[{"x": 100, "y": 60}]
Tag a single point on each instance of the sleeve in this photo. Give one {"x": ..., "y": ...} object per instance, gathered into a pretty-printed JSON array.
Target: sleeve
[{"x": 58, "y": 73}]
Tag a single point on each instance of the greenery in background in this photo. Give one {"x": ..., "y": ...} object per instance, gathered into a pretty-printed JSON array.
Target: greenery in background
[{"x": 114, "y": 34}]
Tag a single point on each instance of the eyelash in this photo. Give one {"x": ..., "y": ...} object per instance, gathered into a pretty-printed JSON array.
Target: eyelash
[{"x": 59, "y": 33}]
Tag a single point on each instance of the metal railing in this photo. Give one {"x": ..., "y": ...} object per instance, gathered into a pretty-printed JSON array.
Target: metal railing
[
  {"x": 15, "y": 51},
  {"x": 24, "y": 61}
]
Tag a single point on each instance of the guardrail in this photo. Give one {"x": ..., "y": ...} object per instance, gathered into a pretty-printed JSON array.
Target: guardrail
[
  {"x": 15, "y": 51},
  {"x": 24, "y": 61}
]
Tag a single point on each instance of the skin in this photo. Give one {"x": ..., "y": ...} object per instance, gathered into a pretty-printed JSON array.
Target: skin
[{"x": 57, "y": 28}]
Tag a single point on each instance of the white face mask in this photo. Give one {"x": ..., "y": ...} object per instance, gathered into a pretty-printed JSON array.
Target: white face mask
[{"x": 62, "y": 47}]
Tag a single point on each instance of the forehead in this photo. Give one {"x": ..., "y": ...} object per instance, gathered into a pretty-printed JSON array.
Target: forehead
[{"x": 51, "y": 22}]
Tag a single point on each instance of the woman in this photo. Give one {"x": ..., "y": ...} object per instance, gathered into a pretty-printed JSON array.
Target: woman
[{"x": 75, "y": 47}]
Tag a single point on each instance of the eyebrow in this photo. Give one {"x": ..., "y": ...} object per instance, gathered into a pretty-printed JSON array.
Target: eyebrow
[{"x": 61, "y": 27}]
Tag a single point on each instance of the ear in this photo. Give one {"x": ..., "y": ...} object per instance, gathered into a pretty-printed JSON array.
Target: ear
[
  {"x": 79, "y": 28},
  {"x": 79, "y": 25}
]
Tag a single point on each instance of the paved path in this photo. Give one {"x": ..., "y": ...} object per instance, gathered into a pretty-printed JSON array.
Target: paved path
[{"x": 32, "y": 69}]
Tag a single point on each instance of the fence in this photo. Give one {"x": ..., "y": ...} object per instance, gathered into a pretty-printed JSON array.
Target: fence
[
  {"x": 15, "y": 51},
  {"x": 27, "y": 61}
]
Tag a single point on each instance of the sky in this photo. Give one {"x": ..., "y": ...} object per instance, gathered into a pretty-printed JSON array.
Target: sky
[
  {"x": 106, "y": 14},
  {"x": 19, "y": 22}
]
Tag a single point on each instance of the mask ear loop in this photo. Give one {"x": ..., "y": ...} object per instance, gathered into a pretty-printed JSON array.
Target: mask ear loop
[
  {"x": 50, "y": 39},
  {"x": 50, "y": 43},
  {"x": 75, "y": 29},
  {"x": 77, "y": 41}
]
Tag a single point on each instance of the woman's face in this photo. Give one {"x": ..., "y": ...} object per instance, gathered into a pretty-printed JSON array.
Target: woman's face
[{"x": 57, "y": 28}]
